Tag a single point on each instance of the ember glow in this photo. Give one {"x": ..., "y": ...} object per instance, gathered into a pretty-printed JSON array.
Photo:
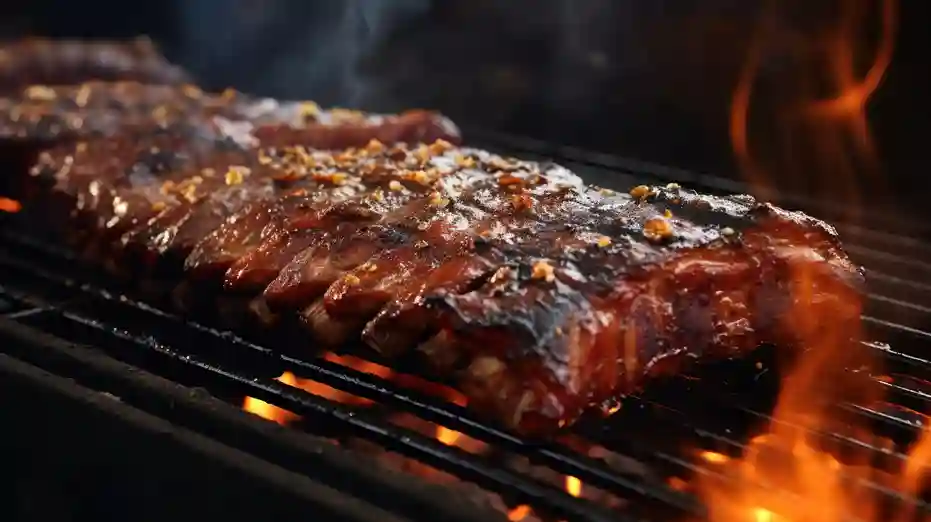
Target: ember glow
[
  {"x": 269, "y": 411},
  {"x": 450, "y": 437},
  {"x": 789, "y": 474},
  {"x": 276, "y": 414},
  {"x": 519, "y": 513},
  {"x": 574, "y": 486},
  {"x": 9, "y": 205},
  {"x": 524, "y": 513}
]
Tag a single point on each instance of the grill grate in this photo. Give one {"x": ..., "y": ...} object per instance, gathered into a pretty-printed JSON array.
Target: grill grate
[
  {"x": 94, "y": 442},
  {"x": 41, "y": 288}
]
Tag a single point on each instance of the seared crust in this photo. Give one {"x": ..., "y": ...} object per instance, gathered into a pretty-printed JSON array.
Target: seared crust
[{"x": 542, "y": 297}]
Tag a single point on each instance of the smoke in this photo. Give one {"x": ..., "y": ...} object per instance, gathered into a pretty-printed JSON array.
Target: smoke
[
  {"x": 479, "y": 55},
  {"x": 293, "y": 48},
  {"x": 652, "y": 80},
  {"x": 643, "y": 78}
]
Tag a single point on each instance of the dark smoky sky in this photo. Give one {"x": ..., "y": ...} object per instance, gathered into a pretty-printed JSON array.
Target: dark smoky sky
[{"x": 652, "y": 80}]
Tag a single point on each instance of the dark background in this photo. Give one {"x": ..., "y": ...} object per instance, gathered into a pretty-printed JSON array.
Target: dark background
[{"x": 651, "y": 80}]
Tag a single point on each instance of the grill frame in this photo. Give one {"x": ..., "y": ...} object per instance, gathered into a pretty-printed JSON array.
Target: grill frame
[{"x": 99, "y": 295}]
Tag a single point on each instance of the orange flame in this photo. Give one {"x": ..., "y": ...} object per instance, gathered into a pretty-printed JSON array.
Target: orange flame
[
  {"x": 447, "y": 436},
  {"x": 444, "y": 434},
  {"x": 821, "y": 139},
  {"x": 269, "y": 411},
  {"x": 519, "y": 513},
  {"x": 574, "y": 486},
  {"x": 273, "y": 413},
  {"x": 714, "y": 457},
  {"x": 10, "y": 205},
  {"x": 788, "y": 474},
  {"x": 335, "y": 395},
  {"x": 522, "y": 512}
]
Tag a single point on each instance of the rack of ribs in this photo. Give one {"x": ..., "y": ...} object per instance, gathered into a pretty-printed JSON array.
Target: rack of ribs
[
  {"x": 174, "y": 119},
  {"x": 543, "y": 298},
  {"x": 63, "y": 62},
  {"x": 50, "y": 114}
]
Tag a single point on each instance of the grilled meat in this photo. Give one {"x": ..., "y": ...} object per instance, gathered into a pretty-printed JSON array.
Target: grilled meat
[
  {"x": 106, "y": 186},
  {"x": 42, "y": 116},
  {"x": 147, "y": 200},
  {"x": 161, "y": 138},
  {"x": 41, "y": 113},
  {"x": 338, "y": 193},
  {"x": 54, "y": 113},
  {"x": 585, "y": 310},
  {"x": 543, "y": 297},
  {"x": 62, "y": 62}
]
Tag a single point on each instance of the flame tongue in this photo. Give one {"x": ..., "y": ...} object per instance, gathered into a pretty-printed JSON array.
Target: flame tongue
[
  {"x": 819, "y": 144},
  {"x": 788, "y": 474},
  {"x": 276, "y": 414},
  {"x": 270, "y": 411}
]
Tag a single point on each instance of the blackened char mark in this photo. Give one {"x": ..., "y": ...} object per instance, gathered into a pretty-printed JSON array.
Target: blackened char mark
[
  {"x": 398, "y": 272},
  {"x": 329, "y": 275},
  {"x": 162, "y": 183},
  {"x": 400, "y": 257},
  {"x": 102, "y": 187},
  {"x": 404, "y": 322},
  {"x": 137, "y": 189}
]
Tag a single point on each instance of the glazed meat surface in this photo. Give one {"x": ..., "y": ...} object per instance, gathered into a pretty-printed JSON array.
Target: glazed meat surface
[
  {"x": 63, "y": 62},
  {"x": 149, "y": 198},
  {"x": 99, "y": 109},
  {"x": 119, "y": 140},
  {"x": 542, "y": 297}
]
